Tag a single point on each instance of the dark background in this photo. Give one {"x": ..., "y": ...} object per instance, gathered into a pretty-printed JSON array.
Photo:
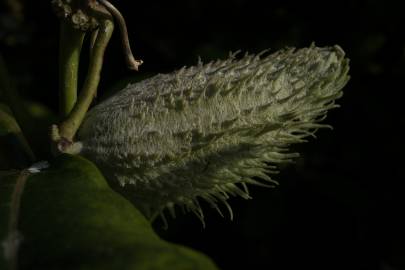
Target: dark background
[{"x": 341, "y": 206}]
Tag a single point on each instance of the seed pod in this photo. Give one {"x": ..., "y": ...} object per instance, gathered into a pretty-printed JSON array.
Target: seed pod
[{"x": 204, "y": 132}]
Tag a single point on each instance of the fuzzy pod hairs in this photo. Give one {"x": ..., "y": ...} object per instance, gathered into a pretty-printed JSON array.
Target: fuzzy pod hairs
[{"x": 205, "y": 132}]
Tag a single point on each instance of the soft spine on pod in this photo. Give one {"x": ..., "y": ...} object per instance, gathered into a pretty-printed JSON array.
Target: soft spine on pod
[{"x": 205, "y": 131}]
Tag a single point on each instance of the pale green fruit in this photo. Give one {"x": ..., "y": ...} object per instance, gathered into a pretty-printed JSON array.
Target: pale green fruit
[{"x": 203, "y": 132}]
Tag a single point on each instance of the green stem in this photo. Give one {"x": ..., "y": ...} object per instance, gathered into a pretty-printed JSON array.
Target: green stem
[
  {"x": 69, "y": 127},
  {"x": 13, "y": 236},
  {"x": 71, "y": 42},
  {"x": 129, "y": 57}
]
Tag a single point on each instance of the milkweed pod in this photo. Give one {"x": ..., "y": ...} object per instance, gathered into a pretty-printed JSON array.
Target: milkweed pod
[{"x": 203, "y": 132}]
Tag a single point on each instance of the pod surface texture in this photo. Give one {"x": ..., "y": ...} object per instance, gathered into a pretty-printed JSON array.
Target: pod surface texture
[{"x": 205, "y": 131}]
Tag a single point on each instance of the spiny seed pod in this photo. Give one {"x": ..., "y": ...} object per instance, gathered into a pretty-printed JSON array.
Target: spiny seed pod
[{"x": 204, "y": 132}]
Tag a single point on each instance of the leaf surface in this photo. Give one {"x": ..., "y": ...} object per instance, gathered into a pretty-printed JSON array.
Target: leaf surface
[{"x": 70, "y": 219}]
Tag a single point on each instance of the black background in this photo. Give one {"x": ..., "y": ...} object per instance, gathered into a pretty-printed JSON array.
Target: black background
[{"x": 341, "y": 206}]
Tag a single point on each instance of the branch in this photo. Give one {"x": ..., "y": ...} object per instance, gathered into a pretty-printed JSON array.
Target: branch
[
  {"x": 71, "y": 42},
  {"x": 132, "y": 63},
  {"x": 68, "y": 128},
  {"x": 93, "y": 17}
]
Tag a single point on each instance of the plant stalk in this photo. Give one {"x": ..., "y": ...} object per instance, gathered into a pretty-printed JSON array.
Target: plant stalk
[
  {"x": 71, "y": 42},
  {"x": 69, "y": 127}
]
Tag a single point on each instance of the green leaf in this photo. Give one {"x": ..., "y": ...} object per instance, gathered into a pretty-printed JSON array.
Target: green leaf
[
  {"x": 42, "y": 118},
  {"x": 14, "y": 149},
  {"x": 70, "y": 219}
]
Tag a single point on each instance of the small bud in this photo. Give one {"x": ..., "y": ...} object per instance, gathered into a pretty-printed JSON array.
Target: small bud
[{"x": 204, "y": 132}]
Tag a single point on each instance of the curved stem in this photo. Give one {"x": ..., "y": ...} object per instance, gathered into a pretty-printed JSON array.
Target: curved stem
[
  {"x": 71, "y": 42},
  {"x": 13, "y": 239},
  {"x": 69, "y": 127},
  {"x": 129, "y": 57}
]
